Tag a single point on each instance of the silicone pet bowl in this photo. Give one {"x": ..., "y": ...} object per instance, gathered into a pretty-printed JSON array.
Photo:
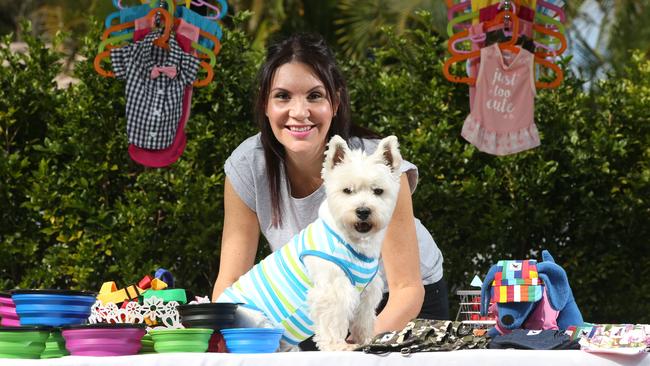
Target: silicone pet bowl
[
  {"x": 215, "y": 316},
  {"x": 55, "y": 345},
  {"x": 103, "y": 339},
  {"x": 181, "y": 340},
  {"x": 169, "y": 294},
  {"x": 252, "y": 340},
  {"x": 53, "y": 307},
  {"x": 8, "y": 316},
  {"x": 147, "y": 344},
  {"x": 23, "y": 342}
]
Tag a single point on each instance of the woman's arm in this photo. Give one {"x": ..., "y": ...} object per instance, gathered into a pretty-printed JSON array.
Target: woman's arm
[
  {"x": 239, "y": 240},
  {"x": 401, "y": 257}
]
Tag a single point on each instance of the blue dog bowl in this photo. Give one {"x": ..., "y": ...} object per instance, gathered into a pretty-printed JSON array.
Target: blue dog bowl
[
  {"x": 53, "y": 307},
  {"x": 252, "y": 340}
]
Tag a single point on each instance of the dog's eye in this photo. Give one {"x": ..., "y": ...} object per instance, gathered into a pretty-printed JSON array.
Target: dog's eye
[
  {"x": 347, "y": 190},
  {"x": 378, "y": 191}
]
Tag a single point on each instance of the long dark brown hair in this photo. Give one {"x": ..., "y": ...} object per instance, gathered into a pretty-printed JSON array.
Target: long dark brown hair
[{"x": 312, "y": 50}]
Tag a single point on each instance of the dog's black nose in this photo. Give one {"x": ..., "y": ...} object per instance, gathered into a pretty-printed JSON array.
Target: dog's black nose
[
  {"x": 363, "y": 213},
  {"x": 507, "y": 319}
]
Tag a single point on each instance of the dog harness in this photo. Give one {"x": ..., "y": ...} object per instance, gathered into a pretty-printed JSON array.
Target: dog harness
[{"x": 278, "y": 285}]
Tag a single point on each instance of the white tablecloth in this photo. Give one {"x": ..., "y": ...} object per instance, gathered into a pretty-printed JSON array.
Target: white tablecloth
[{"x": 466, "y": 357}]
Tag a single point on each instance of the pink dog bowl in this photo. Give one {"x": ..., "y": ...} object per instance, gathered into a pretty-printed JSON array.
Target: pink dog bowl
[
  {"x": 8, "y": 311},
  {"x": 103, "y": 339}
]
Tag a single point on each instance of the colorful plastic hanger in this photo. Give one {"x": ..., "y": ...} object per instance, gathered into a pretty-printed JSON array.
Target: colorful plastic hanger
[
  {"x": 558, "y": 11},
  {"x": 161, "y": 42},
  {"x": 457, "y": 8},
  {"x": 545, "y": 45},
  {"x": 459, "y": 19},
  {"x": 508, "y": 45}
]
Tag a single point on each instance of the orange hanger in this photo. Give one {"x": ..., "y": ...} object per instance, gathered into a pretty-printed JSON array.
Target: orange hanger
[
  {"x": 97, "y": 63},
  {"x": 197, "y": 83},
  {"x": 552, "y": 33},
  {"x": 559, "y": 75},
  {"x": 160, "y": 41},
  {"x": 110, "y": 74},
  {"x": 208, "y": 78},
  {"x": 457, "y": 57},
  {"x": 450, "y": 3},
  {"x": 498, "y": 19}
]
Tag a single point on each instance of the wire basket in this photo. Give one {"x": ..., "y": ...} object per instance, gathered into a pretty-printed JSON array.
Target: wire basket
[{"x": 469, "y": 310}]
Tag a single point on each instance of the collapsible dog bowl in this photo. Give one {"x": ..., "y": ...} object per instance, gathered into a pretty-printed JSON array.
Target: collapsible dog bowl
[
  {"x": 169, "y": 294},
  {"x": 55, "y": 345},
  {"x": 147, "y": 344},
  {"x": 215, "y": 316},
  {"x": 23, "y": 342},
  {"x": 181, "y": 340},
  {"x": 53, "y": 307},
  {"x": 252, "y": 340},
  {"x": 103, "y": 339},
  {"x": 8, "y": 316}
]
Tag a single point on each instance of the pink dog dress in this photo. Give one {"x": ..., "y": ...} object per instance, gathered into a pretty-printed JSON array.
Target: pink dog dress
[{"x": 501, "y": 120}]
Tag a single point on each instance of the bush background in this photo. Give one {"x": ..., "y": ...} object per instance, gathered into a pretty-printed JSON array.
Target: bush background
[{"x": 76, "y": 211}]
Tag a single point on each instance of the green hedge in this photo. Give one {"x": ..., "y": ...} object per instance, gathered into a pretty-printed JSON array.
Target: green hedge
[{"x": 75, "y": 211}]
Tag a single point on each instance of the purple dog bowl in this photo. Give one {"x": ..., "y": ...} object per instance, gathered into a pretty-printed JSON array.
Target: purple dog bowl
[
  {"x": 103, "y": 339},
  {"x": 8, "y": 311}
]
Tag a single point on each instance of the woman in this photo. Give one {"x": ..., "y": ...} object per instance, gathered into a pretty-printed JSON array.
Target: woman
[{"x": 274, "y": 183}]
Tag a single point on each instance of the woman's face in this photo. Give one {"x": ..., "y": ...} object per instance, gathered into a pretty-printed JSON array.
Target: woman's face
[{"x": 298, "y": 109}]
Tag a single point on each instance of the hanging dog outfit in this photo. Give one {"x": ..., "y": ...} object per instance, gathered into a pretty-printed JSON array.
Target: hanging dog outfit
[
  {"x": 155, "y": 85},
  {"x": 185, "y": 35},
  {"x": 501, "y": 121}
]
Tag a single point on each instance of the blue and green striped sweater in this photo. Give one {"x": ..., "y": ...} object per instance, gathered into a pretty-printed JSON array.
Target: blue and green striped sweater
[{"x": 278, "y": 285}]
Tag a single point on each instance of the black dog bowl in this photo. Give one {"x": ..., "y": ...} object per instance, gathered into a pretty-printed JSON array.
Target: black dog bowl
[{"x": 215, "y": 316}]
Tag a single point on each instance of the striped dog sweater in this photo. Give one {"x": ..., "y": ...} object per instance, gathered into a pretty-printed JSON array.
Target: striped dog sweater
[{"x": 278, "y": 285}]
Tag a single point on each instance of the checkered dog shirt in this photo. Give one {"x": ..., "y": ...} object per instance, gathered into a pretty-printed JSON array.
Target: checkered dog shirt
[{"x": 155, "y": 83}]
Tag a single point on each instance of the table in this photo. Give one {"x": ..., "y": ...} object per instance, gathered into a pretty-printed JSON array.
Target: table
[{"x": 482, "y": 357}]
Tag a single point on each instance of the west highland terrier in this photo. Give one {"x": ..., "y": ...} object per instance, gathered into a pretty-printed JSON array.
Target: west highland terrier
[{"x": 323, "y": 282}]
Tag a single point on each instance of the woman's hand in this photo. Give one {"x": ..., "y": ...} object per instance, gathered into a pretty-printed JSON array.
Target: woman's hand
[
  {"x": 239, "y": 240},
  {"x": 401, "y": 257}
]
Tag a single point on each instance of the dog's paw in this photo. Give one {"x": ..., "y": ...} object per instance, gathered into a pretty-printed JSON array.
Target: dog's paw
[{"x": 338, "y": 347}]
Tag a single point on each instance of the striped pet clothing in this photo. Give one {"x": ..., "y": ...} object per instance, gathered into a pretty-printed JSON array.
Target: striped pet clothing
[
  {"x": 278, "y": 285},
  {"x": 516, "y": 281}
]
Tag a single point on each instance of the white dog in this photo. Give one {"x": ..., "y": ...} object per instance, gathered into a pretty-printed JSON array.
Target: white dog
[{"x": 324, "y": 282}]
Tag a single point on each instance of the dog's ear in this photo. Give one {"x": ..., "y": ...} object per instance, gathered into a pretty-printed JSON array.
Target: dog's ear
[
  {"x": 486, "y": 289},
  {"x": 388, "y": 152},
  {"x": 337, "y": 148},
  {"x": 556, "y": 281}
]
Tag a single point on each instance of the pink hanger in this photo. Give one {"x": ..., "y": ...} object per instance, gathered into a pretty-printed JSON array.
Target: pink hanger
[
  {"x": 456, "y": 8},
  {"x": 211, "y": 6},
  {"x": 559, "y": 12},
  {"x": 473, "y": 37}
]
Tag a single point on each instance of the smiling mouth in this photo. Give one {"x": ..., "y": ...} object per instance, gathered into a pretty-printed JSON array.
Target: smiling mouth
[
  {"x": 299, "y": 128},
  {"x": 363, "y": 227}
]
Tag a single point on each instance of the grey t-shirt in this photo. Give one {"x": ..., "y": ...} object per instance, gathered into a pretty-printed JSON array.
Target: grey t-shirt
[{"x": 246, "y": 170}]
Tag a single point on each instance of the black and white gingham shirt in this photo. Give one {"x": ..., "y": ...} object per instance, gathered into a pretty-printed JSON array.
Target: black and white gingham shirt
[{"x": 153, "y": 106}]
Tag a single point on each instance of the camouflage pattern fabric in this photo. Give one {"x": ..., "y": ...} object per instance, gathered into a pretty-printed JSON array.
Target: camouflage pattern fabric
[{"x": 426, "y": 335}]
